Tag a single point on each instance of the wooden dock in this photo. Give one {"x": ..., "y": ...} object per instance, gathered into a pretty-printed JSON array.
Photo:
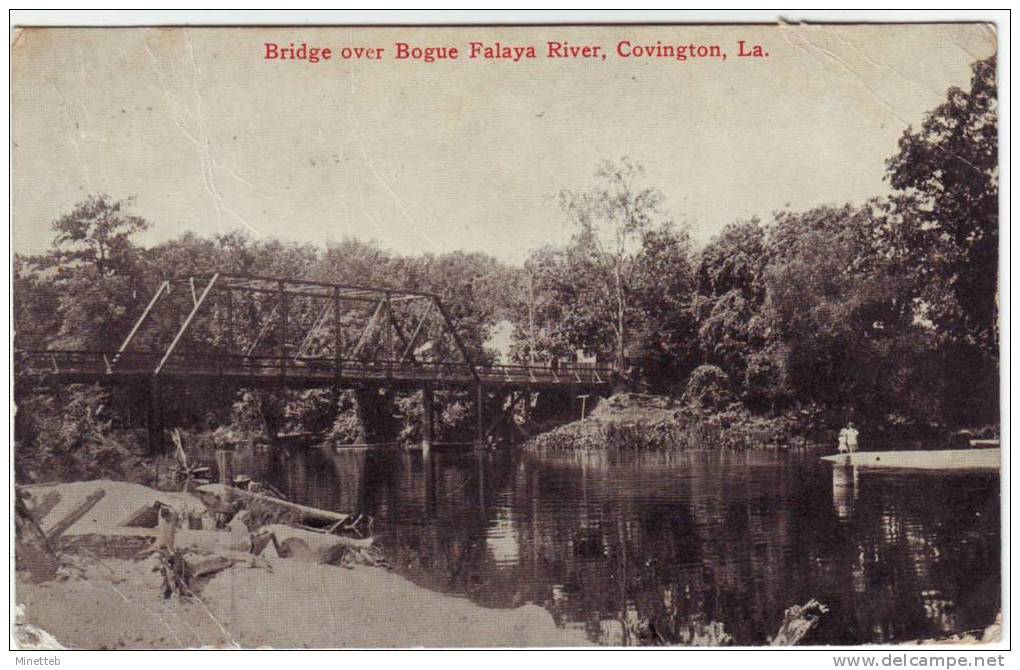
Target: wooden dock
[{"x": 942, "y": 459}]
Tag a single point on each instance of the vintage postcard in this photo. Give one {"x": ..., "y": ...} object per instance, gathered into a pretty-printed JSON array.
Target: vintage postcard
[{"x": 506, "y": 336}]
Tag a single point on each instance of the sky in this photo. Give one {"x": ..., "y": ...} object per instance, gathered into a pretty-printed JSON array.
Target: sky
[{"x": 205, "y": 135}]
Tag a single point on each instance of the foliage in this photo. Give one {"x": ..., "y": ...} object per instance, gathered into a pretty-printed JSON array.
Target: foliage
[
  {"x": 708, "y": 387},
  {"x": 730, "y": 292},
  {"x": 885, "y": 312},
  {"x": 94, "y": 264},
  {"x": 691, "y": 426},
  {"x": 947, "y": 172},
  {"x": 68, "y": 437},
  {"x": 619, "y": 290},
  {"x": 835, "y": 302},
  {"x": 611, "y": 221}
]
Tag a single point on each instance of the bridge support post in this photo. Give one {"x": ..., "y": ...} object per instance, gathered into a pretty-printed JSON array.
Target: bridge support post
[
  {"x": 428, "y": 420},
  {"x": 225, "y": 466},
  {"x": 155, "y": 419},
  {"x": 480, "y": 411}
]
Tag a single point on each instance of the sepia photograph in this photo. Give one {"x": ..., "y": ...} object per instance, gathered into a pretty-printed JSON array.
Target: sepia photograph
[{"x": 557, "y": 335}]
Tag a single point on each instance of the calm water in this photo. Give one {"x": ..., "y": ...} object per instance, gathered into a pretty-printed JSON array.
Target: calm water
[{"x": 677, "y": 540}]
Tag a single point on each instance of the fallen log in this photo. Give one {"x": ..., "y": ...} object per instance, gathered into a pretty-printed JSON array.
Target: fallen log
[
  {"x": 223, "y": 499},
  {"x": 80, "y": 510},
  {"x": 316, "y": 539},
  {"x": 316, "y": 547}
]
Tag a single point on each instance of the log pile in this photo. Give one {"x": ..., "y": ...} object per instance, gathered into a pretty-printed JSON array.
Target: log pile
[{"x": 188, "y": 542}]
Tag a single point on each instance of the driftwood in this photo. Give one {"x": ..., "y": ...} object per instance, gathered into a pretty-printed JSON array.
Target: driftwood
[
  {"x": 200, "y": 566},
  {"x": 175, "y": 573},
  {"x": 80, "y": 510},
  {"x": 166, "y": 527},
  {"x": 798, "y": 622},
  {"x": 224, "y": 499},
  {"x": 318, "y": 547},
  {"x": 185, "y": 472}
]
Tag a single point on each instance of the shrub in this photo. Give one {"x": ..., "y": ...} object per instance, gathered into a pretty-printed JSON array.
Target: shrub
[{"x": 708, "y": 387}]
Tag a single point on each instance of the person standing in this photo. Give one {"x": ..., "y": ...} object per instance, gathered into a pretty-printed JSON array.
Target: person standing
[
  {"x": 842, "y": 441},
  {"x": 851, "y": 437}
]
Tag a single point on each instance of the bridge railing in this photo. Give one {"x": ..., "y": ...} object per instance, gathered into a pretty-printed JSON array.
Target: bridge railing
[
  {"x": 98, "y": 363},
  {"x": 565, "y": 374}
]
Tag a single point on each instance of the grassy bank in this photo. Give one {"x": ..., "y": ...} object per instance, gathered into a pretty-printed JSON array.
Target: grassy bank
[{"x": 640, "y": 422}]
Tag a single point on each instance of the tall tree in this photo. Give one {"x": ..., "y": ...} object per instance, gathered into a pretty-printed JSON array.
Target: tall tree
[
  {"x": 844, "y": 320},
  {"x": 96, "y": 265},
  {"x": 95, "y": 237},
  {"x": 730, "y": 293},
  {"x": 947, "y": 173},
  {"x": 610, "y": 222}
]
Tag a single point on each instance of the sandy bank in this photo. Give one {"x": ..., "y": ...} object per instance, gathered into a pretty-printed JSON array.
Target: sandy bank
[
  {"x": 111, "y": 601},
  {"x": 115, "y": 604}
]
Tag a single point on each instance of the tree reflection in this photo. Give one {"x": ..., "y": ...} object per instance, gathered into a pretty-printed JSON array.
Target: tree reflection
[{"x": 678, "y": 548}]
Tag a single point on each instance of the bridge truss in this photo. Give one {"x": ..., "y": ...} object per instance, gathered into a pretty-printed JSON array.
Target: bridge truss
[{"x": 268, "y": 331}]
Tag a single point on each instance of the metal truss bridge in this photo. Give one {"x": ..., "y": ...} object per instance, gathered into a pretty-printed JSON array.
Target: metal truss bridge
[
  {"x": 260, "y": 330},
  {"x": 255, "y": 331}
]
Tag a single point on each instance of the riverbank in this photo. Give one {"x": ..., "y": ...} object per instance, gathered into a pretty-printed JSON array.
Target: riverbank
[
  {"x": 644, "y": 422},
  {"x": 264, "y": 601}
]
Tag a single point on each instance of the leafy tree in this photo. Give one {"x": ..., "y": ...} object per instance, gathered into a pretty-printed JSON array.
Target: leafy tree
[
  {"x": 734, "y": 260},
  {"x": 620, "y": 290},
  {"x": 730, "y": 294},
  {"x": 709, "y": 388},
  {"x": 545, "y": 325},
  {"x": 665, "y": 334},
  {"x": 841, "y": 317},
  {"x": 947, "y": 172},
  {"x": 95, "y": 237},
  {"x": 610, "y": 222},
  {"x": 35, "y": 301},
  {"x": 95, "y": 265}
]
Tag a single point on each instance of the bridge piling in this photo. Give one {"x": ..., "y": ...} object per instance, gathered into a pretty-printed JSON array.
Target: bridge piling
[
  {"x": 154, "y": 420},
  {"x": 428, "y": 420},
  {"x": 480, "y": 411}
]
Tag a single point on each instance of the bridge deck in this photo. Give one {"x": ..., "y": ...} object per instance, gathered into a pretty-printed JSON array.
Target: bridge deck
[{"x": 304, "y": 372}]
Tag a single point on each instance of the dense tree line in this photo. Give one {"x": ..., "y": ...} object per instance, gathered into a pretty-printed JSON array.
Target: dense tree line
[
  {"x": 91, "y": 287},
  {"x": 885, "y": 312}
]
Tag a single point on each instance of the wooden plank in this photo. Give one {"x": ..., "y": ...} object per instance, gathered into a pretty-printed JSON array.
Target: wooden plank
[
  {"x": 72, "y": 517},
  {"x": 41, "y": 503},
  {"x": 218, "y": 495}
]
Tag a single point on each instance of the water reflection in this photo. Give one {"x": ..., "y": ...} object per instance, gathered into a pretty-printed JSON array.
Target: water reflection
[
  {"x": 665, "y": 547},
  {"x": 844, "y": 490}
]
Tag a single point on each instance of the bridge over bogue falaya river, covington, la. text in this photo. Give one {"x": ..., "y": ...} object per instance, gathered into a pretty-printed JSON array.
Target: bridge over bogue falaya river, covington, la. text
[{"x": 251, "y": 331}]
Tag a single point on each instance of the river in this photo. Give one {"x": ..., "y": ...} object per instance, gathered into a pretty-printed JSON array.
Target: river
[{"x": 663, "y": 546}]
